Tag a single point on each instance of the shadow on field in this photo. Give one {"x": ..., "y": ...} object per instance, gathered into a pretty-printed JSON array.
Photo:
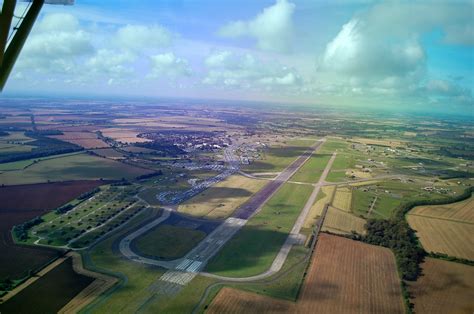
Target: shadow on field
[
  {"x": 260, "y": 166},
  {"x": 446, "y": 280},
  {"x": 250, "y": 252},
  {"x": 289, "y": 151},
  {"x": 325, "y": 290},
  {"x": 218, "y": 193}
]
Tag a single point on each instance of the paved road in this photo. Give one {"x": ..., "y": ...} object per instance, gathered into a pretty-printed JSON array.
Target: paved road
[
  {"x": 293, "y": 238},
  {"x": 127, "y": 251}
]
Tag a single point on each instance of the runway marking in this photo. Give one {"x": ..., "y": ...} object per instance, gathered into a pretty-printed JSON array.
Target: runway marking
[
  {"x": 185, "y": 263},
  {"x": 194, "y": 266},
  {"x": 178, "y": 277}
]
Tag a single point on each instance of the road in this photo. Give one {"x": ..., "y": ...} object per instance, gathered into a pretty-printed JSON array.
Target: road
[
  {"x": 293, "y": 238},
  {"x": 126, "y": 250}
]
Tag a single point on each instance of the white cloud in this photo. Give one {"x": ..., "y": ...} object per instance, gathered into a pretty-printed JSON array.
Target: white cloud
[
  {"x": 356, "y": 51},
  {"x": 168, "y": 65},
  {"x": 446, "y": 88},
  {"x": 140, "y": 37},
  {"x": 379, "y": 52},
  {"x": 55, "y": 45},
  {"x": 272, "y": 28},
  {"x": 110, "y": 63},
  {"x": 227, "y": 68}
]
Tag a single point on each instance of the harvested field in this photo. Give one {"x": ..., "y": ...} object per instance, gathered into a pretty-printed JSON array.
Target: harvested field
[
  {"x": 345, "y": 276},
  {"x": 84, "y": 139},
  {"x": 235, "y": 301},
  {"x": 43, "y": 196},
  {"x": 343, "y": 198},
  {"x": 220, "y": 200},
  {"x": 339, "y": 221},
  {"x": 463, "y": 211},
  {"x": 317, "y": 208},
  {"x": 445, "y": 287},
  {"x": 444, "y": 236},
  {"x": 49, "y": 293},
  {"x": 123, "y": 135}
]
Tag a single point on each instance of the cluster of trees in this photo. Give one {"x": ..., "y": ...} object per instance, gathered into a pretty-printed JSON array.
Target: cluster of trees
[
  {"x": 122, "y": 182},
  {"x": 458, "y": 150},
  {"x": 45, "y": 146},
  {"x": 150, "y": 175},
  {"x": 6, "y": 285},
  {"x": 21, "y": 231},
  {"x": 446, "y": 257},
  {"x": 398, "y": 236},
  {"x": 162, "y": 149},
  {"x": 43, "y": 133},
  {"x": 64, "y": 209},
  {"x": 86, "y": 195}
]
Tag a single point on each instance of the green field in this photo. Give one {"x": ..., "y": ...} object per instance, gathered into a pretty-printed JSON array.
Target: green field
[
  {"x": 168, "y": 242},
  {"x": 390, "y": 195},
  {"x": 337, "y": 176},
  {"x": 254, "y": 248},
  {"x": 68, "y": 167},
  {"x": 312, "y": 169}
]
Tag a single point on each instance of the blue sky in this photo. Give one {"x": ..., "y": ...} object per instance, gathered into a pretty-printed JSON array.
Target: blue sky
[{"x": 358, "y": 53}]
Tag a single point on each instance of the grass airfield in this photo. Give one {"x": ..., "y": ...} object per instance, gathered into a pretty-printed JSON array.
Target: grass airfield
[{"x": 379, "y": 168}]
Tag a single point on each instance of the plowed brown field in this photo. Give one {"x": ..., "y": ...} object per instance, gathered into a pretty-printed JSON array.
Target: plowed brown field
[
  {"x": 445, "y": 287},
  {"x": 44, "y": 196}
]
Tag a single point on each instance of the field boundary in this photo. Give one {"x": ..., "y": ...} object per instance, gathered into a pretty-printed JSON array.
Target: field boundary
[
  {"x": 442, "y": 218},
  {"x": 101, "y": 284},
  {"x": 51, "y": 265}
]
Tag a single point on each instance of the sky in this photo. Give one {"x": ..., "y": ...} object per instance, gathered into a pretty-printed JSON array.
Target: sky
[{"x": 400, "y": 54}]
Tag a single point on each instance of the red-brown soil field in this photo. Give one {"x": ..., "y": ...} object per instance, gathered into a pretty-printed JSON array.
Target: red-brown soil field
[
  {"x": 43, "y": 196},
  {"x": 21, "y": 203},
  {"x": 49, "y": 293},
  {"x": 345, "y": 276},
  {"x": 444, "y": 287}
]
